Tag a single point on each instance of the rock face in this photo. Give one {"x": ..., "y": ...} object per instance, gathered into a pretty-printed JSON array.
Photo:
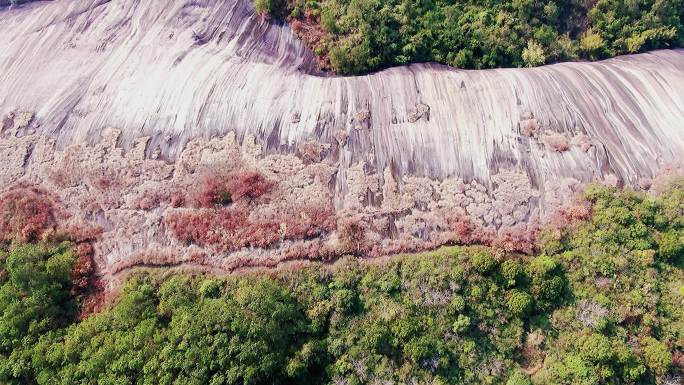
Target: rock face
[{"x": 403, "y": 148}]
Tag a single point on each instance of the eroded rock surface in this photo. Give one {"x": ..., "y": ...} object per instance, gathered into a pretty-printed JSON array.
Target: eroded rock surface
[
  {"x": 133, "y": 198},
  {"x": 412, "y": 157}
]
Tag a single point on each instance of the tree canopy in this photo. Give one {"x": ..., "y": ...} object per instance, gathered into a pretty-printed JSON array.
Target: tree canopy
[{"x": 360, "y": 36}]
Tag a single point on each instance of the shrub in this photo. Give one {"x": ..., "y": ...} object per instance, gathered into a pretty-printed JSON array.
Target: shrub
[
  {"x": 149, "y": 199},
  {"x": 671, "y": 246},
  {"x": 533, "y": 55},
  {"x": 222, "y": 189},
  {"x": 308, "y": 221},
  {"x": 82, "y": 273},
  {"x": 26, "y": 214},
  {"x": 556, "y": 141},
  {"x": 81, "y": 232},
  {"x": 483, "y": 262},
  {"x": 595, "y": 348},
  {"x": 580, "y": 211},
  {"x": 519, "y": 302},
  {"x": 468, "y": 233},
  {"x": 248, "y": 184},
  {"x": 230, "y": 229},
  {"x": 511, "y": 271},
  {"x": 461, "y": 324},
  {"x": 516, "y": 240},
  {"x": 212, "y": 192},
  {"x": 657, "y": 355},
  {"x": 547, "y": 281},
  {"x": 274, "y": 8},
  {"x": 352, "y": 237},
  {"x": 518, "y": 378}
]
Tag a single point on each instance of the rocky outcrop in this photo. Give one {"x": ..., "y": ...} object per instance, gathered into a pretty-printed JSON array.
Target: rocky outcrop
[
  {"x": 411, "y": 155},
  {"x": 181, "y": 69}
]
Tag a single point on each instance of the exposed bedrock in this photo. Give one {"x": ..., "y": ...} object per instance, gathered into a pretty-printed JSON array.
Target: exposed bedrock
[{"x": 196, "y": 85}]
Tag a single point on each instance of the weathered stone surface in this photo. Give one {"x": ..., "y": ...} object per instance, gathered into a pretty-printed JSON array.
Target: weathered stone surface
[
  {"x": 406, "y": 151},
  {"x": 131, "y": 196},
  {"x": 83, "y": 65}
]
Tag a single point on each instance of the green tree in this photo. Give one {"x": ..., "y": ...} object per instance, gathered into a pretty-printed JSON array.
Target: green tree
[{"x": 34, "y": 299}]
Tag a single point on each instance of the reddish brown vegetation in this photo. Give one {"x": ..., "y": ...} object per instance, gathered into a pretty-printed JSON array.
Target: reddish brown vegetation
[
  {"x": 94, "y": 301},
  {"x": 468, "y": 233},
  {"x": 301, "y": 222},
  {"x": 352, "y": 237},
  {"x": 85, "y": 283},
  {"x": 211, "y": 192},
  {"x": 220, "y": 189},
  {"x": 310, "y": 250},
  {"x": 26, "y": 213},
  {"x": 578, "y": 212},
  {"x": 82, "y": 232},
  {"x": 83, "y": 269},
  {"x": 150, "y": 199},
  {"x": 517, "y": 240},
  {"x": 103, "y": 179},
  {"x": 678, "y": 359},
  {"x": 229, "y": 229},
  {"x": 248, "y": 184},
  {"x": 177, "y": 198},
  {"x": 309, "y": 29},
  {"x": 569, "y": 215},
  {"x": 556, "y": 141}
]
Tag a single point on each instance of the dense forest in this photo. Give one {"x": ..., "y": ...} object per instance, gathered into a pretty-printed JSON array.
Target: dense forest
[
  {"x": 601, "y": 302},
  {"x": 359, "y": 36}
]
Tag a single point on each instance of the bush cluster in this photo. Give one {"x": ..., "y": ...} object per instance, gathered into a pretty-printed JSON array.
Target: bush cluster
[
  {"x": 360, "y": 36},
  {"x": 26, "y": 214},
  {"x": 232, "y": 228},
  {"x": 221, "y": 189}
]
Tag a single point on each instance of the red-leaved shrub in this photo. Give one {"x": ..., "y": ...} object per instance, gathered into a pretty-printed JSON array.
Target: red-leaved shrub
[
  {"x": 212, "y": 192},
  {"x": 221, "y": 189},
  {"x": 297, "y": 26},
  {"x": 248, "y": 184},
  {"x": 26, "y": 213},
  {"x": 578, "y": 212},
  {"x": 468, "y": 233},
  {"x": 305, "y": 221},
  {"x": 149, "y": 199},
  {"x": 516, "y": 240},
  {"x": 352, "y": 236},
  {"x": 82, "y": 273},
  {"x": 678, "y": 360},
  {"x": 81, "y": 232},
  {"x": 95, "y": 300},
  {"x": 177, "y": 198},
  {"x": 229, "y": 229}
]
